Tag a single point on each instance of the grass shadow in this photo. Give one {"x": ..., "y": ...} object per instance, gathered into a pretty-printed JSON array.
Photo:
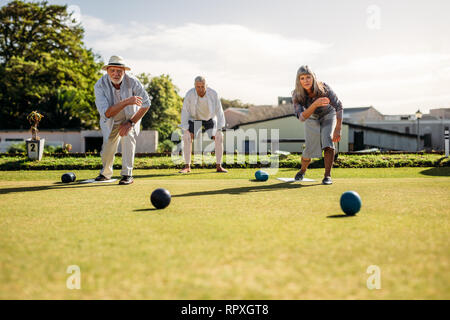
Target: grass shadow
[
  {"x": 140, "y": 176},
  {"x": 242, "y": 190},
  {"x": 146, "y": 209},
  {"x": 437, "y": 172},
  {"x": 58, "y": 186},
  {"x": 174, "y": 174},
  {"x": 335, "y": 216}
]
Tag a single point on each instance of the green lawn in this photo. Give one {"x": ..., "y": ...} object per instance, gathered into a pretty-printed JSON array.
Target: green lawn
[{"x": 226, "y": 236}]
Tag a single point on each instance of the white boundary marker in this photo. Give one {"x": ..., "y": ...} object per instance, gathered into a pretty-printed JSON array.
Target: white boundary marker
[{"x": 93, "y": 181}]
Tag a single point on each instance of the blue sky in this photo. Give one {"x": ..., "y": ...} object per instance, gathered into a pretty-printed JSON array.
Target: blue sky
[{"x": 393, "y": 55}]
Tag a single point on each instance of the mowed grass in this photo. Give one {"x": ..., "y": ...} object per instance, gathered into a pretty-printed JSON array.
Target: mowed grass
[{"x": 226, "y": 236}]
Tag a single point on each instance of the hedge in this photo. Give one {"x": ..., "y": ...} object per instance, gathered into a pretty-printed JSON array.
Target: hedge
[{"x": 93, "y": 161}]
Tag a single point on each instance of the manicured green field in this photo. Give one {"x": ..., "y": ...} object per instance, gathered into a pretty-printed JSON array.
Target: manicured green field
[{"x": 226, "y": 236}]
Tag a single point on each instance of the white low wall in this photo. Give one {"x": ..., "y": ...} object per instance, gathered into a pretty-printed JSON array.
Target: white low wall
[{"x": 147, "y": 141}]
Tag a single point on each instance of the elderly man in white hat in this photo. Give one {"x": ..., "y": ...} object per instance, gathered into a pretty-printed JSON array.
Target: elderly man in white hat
[
  {"x": 202, "y": 109},
  {"x": 121, "y": 101}
]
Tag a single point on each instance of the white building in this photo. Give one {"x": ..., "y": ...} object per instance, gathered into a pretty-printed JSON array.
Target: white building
[
  {"x": 258, "y": 122},
  {"x": 430, "y": 128},
  {"x": 363, "y": 128}
]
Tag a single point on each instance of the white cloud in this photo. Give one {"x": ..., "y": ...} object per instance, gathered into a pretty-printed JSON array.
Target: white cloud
[
  {"x": 95, "y": 26},
  {"x": 238, "y": 62},
  {"x": 392, "y": 64},
  {"x": 393, "y": 83},
  {"x": 257, "y": 67}
]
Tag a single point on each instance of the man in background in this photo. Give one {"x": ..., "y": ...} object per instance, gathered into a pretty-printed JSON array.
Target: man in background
[{"x": 202, "y": 109}]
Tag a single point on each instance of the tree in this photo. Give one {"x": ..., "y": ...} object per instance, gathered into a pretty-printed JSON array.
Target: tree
[
  {"x": 45, "y": 66},
  {"x": 164, "y": 114}
]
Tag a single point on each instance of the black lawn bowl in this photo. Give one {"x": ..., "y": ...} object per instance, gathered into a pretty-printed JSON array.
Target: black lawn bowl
[
  {"x": 160, "y": 198},
  {"x": 68, "y": 177}
]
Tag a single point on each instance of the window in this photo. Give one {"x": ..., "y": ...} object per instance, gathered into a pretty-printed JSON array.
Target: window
[
  {"x": 358, "y": 138},
  {"x": 407, "y": 130}
]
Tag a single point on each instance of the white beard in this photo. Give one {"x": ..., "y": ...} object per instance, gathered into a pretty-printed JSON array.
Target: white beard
[{"x": 117, "y": 81}]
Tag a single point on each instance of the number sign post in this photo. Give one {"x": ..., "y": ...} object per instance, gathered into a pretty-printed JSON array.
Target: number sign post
[{"x": 35, "y": 149}]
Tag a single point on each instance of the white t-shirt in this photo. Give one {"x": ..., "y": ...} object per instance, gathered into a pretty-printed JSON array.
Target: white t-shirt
[
  {"x": 120, "y": 117},
  {"x": 202, "y": 109}
]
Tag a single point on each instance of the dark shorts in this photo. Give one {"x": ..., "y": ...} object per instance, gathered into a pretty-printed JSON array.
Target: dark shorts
[{"x": 205, "y": 125}]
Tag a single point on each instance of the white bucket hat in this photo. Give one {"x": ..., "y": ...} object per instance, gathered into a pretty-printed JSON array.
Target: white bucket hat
[{"x": 116, "y": 61}]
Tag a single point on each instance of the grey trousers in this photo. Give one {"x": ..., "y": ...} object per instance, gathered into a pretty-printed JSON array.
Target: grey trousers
[
  {"x": 109, "y": 150},
  {"x": 319, "y": 134}
]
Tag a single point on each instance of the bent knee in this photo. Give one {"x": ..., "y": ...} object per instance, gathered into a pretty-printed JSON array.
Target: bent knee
[
  {"x": 187, "y": 135},
  {"x": 219, "y": 137}
]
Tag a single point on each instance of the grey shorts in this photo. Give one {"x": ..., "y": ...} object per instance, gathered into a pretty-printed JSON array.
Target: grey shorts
[{"x": 319, "y": 134}]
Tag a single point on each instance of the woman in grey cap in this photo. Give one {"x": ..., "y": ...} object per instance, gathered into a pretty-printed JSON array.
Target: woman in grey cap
[{"x": 318, "y": 107}]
